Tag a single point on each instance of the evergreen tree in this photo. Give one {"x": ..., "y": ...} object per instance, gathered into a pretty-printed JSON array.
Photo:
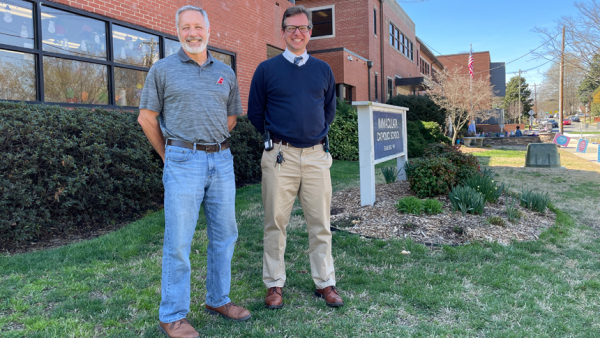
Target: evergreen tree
[
  {"x": 590, "y": 82},
  {"x": 512, "y": 95}
]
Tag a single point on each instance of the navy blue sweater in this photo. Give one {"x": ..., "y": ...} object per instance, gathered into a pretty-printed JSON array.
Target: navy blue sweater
[{"x": 298, "y": 103}]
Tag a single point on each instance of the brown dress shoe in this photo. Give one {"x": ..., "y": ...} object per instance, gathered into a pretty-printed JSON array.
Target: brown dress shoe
[
  {"x": 179, "y": 329},
  {"x": 274, "y": 299},
  {"x": 331, "y": 296},
  {"x": 229, "y": 311}
]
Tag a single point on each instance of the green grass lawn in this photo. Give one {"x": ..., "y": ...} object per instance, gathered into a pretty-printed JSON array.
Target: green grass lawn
[{"x": 110, "y": 286}]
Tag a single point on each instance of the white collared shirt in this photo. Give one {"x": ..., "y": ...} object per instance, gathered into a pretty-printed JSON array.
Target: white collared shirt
[{"x": 291, "y": 56}]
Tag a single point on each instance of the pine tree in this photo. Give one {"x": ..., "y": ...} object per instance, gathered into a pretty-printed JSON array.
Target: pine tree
[
  {"x": 512, "y": 95},
  {"x": 590, "y": 82}
]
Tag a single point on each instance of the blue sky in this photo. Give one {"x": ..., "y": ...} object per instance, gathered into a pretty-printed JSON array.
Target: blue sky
[{"x": 502, "y": 27}]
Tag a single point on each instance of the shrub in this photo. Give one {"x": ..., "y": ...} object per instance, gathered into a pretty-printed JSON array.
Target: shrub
[
  {"x": 484, "y": 183},
  {"x": 421, "y": 108},
  {"x": 467, "y": 200},
  {"x": 343, "y": 133},
  {"x": 390, "y": 174},
  {"x": 496, "y": 220},
  {"x": 431, "y": 176},
  {"x": 247, "y": 147},
  {"x": 431, "y": 206},
  {"x": 420, "y": 134},
  {"x": 409, "y": 205},
  {"x": 534, "y": 201},
  {"x": 467, "y": 164},
  {"x": 66, "y": 168},
  {"x": 512, "y": 213}
]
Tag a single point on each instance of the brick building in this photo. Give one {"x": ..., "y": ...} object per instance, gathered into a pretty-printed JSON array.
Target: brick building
[
  {"x": 482, "y": 67},
  {"x": 98, "y": 52}
]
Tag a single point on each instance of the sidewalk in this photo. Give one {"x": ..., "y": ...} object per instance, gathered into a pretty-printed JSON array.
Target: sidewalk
[{"x": 592, "y": 150}]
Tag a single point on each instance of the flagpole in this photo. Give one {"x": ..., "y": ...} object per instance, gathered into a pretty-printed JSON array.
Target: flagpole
[{"x": 471, "y": 88}]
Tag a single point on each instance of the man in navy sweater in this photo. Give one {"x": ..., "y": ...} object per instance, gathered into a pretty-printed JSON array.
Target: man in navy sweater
[{"x": 293, "y": 96}]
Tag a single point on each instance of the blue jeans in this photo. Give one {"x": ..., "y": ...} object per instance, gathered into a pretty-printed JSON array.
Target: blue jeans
[{"x": 192, "y": 178}]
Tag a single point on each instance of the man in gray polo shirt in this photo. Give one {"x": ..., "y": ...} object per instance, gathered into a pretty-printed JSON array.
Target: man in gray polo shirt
[{"x": 196, "y": 100}]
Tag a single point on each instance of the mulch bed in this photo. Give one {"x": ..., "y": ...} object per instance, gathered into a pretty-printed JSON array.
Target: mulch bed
[{"x": 382, "y": 220}]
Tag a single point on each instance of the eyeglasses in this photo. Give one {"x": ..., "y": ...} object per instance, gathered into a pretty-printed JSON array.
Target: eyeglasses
[{"x": 302, "y": 29}]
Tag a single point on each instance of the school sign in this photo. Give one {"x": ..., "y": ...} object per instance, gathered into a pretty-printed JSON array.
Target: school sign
[{"x": 381, "y": 137}]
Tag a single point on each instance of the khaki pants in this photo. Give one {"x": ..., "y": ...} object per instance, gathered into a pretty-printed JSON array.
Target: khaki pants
[{"x": 305, "y": 173}]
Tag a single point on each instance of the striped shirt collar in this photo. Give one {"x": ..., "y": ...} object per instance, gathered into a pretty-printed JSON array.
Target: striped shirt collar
[{"x": 290, "y": 57}]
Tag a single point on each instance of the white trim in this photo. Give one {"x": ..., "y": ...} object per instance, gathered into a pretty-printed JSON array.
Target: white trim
[
  {"x": 428, "y": 64},
  {"x": 332, "y": 21}
]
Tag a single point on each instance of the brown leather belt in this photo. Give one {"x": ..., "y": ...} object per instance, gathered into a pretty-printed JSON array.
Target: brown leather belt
[
  {"x": 285, "y": 143},
  {"x": 209, "y": 148}
]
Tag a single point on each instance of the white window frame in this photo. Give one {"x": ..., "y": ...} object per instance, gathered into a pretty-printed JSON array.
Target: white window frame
[
  {"x": 332, "y": 21},
  {"x": 421, "y": 61}
]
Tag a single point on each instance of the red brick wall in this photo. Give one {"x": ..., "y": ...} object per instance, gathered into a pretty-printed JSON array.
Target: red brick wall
[
  {"x": 481, "y": 63},
  {"x": 351, "y": 72},
  {"x": 494, "y": 128},
  {"x": 243, "y": 27}
]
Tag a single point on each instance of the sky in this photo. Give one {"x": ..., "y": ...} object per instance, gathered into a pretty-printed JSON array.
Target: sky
[{"x": 502, "y": 27}]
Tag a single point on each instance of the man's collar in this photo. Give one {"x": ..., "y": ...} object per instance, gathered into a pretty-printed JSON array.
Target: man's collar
[
  {"x": 290, "y": 56},
  {"x": 185, "y": 58}
]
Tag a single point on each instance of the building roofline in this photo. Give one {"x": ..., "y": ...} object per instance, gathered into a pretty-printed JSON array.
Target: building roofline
[
  {"x": 429, "y": 54},
  {"x": 445, "y": 55},
  {"x": 397, "y": 9}
]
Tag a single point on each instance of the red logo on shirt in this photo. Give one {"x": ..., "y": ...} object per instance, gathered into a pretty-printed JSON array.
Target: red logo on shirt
[{"x": 220, "y": 80}]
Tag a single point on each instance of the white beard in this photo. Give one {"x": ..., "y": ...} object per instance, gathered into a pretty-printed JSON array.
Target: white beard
[{"x": 195, "y": 50}]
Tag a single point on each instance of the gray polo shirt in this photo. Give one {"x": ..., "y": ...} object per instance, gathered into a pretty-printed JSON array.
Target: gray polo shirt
[{"x": 193, "y": 101}]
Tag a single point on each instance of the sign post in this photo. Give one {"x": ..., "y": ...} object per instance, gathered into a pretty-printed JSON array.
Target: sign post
[{"x": 381, "y": 137}]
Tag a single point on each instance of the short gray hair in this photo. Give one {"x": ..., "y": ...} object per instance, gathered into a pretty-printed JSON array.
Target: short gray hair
[
  {"x": 191, "y": 8},
  {"x": 294, "y": 11}
]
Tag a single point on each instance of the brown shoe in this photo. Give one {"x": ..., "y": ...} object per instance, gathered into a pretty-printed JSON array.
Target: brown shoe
[
  {"x": 229, "y": 311},
  {"x": 179, "y": 329},
  {"x": 274, "y": 298},
  {"x": 331, "y": 296}
]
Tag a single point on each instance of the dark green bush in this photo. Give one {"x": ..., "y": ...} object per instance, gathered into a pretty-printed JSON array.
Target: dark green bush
[
  {"x": 65, "y": 168},
  {"x": 247, "y": 147},
  {"x": 420, "y": 134},
  {"x": 343, "y": 133},
  {"x": 466, "y": 164},
  {"x": 431, "y": 176},
  {"x": 421, "y": 108}
]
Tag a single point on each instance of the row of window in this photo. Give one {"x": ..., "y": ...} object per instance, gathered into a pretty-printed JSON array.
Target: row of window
[
  {"x": 424, "y": 67},
  {"x": 400, "y": 42},
  {"x": 76, "y": 58}
]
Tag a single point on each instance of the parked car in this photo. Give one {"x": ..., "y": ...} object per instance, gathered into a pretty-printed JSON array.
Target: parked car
[
  {"x": 566, "y": 122},
  {"x": 554, "y": 123},
  {"x": 575, "y": 119}
]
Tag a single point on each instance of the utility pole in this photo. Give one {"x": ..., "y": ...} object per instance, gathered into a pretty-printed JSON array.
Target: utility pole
[
  {"x": 562, "y": 80},
  {"x": 520, "y": 109},
  {"x": 535, "y": 97}
]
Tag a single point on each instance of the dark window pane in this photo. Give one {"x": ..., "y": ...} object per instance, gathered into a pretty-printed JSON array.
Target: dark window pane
[
  {"x": 16, "y": 28},
  {"x": 322, "y": 30},
  {"x": 391, "y": 40},
  {"x": 128, "y": 86},
  {"x": 374, "y": 22},
  {"x": 135, "y": 48},
  {"x": 72, "y": 34},
  {"x": 225, "y": 58},
  {"x": 17, "y": 76},
  {"x": 172, "y": 47},
  {"x": 273, "y": 51},
  {"x": 74, "y": 81},
  {"x": 322, "y": 16},
  {"x": 322, "y": 21}
]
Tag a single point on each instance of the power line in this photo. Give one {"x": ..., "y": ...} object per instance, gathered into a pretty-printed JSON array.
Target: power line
[{"x": 506, "y": 63}]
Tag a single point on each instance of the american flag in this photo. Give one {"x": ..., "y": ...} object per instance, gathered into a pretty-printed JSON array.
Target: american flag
[{"x": 471, "y": 64}]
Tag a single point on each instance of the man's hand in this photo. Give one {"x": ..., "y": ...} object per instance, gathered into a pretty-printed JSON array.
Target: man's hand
[{"x": 147, "y": 119}]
